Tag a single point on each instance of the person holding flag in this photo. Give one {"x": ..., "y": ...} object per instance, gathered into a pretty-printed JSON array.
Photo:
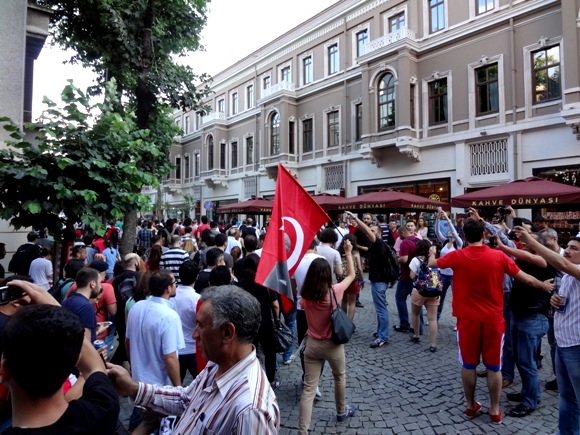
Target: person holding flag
[
  {"x": 296, "y": 217},
  {"x": 318, "y": 303}
]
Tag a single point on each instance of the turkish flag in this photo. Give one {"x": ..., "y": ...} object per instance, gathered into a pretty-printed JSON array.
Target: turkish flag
[{"x": 296, "y": 219}]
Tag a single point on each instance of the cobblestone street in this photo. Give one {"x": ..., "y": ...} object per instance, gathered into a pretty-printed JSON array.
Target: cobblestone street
[{"x": 405, "y": 389}]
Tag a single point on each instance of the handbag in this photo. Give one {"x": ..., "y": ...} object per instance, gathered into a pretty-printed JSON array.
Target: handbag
[
  {"x": 283, "y": 336},
  {"x": 342, "y": 326}
]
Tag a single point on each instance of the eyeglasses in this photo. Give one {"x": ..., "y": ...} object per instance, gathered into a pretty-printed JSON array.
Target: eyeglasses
[{"x": 173, "y": 282}]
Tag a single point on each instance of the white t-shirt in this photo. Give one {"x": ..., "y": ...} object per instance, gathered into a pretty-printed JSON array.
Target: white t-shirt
[
  {"x": 300, "y": 274},
  {"x": 415, "y": 265},
  {"x": 40, "y": 270},
  {"x": 332, "y": 256}
]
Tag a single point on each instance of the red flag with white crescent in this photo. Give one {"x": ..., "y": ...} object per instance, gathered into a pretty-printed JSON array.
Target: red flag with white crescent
[{"x": 296, "y": 218}]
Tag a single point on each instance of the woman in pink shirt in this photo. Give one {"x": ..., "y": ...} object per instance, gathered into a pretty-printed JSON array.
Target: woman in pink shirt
[{"x": 318, "y": 303}]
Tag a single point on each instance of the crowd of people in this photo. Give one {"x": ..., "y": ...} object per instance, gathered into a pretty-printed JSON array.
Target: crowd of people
[{"x": 187, "y": 301}]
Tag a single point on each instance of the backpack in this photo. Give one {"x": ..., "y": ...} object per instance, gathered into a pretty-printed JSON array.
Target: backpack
[
  {"x": 428, "y": 281},
  {"x": 60, "y": 288},
  {"x": 390, "y": 263},
  {"x": 199, "y": 259},
  {"x": 24, "y": 255},
  {"x": 126, "y": 288}
]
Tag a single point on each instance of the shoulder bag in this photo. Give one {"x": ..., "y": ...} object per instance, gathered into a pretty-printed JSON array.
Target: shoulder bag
[{"x": 342, "y": 326}]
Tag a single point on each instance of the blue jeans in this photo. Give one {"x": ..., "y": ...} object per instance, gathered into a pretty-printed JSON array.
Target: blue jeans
[
  {"x": 379, "y": 292},
  {"x": 507, "y": 357},
  {"x": 290, "y": 321},
  {"x": 568, "y": 375},
  {"x": 446, "y": 281},
  {"x": 404, "y": 289},
  {"x": 527, "y": 333}
]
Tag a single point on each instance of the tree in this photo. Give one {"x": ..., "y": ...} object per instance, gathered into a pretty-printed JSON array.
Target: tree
[
  {"x": 78, "y": 167},
  {"x": 137, "y": 42}
]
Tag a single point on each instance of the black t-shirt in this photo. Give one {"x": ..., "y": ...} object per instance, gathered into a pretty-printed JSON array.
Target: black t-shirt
[
  {"x": 96, "y": 412},
  {"x": 362, "y": 240},
  {"x": 376, "y": 261},
  {"x": 525, "y": 300},
  {"x": 202, "y": 281}
]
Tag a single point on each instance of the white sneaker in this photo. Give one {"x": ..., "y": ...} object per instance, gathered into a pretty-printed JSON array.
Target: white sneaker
[
  {"x": 318, "y": 392},
  {"x": 289, "y": 360}
]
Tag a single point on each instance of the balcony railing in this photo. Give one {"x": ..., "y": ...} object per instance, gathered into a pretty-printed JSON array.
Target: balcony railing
[
  {"x": 391, "y": 38},
  {"x": 278, "y": 87},
  {"x": 214, "y": 117}
]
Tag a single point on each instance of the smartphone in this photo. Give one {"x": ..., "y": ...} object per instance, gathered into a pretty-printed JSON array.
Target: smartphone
[
  {"x": 517, "y": 222},
  {"x": 493, "y": 242},
  {"x": 463, "y": 215},
  {"x": 10, "y": 293}
]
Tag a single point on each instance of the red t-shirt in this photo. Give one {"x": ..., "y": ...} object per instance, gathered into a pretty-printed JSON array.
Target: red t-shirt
[
  {"x": 478, "y": 274},
  {"x": 201, "y": 229},
  {"x": 407, "y": 249}
]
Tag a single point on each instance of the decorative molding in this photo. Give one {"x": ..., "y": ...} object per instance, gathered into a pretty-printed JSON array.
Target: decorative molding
[
  {"x": 543, "y": 41},
  {"x": 571, "y": 114},
  {"x": 413, "y": 80},
  {"x": 483, "y": 60},
  {"x": 408, "y": 146},
  {"x": 368, "y": 153}
]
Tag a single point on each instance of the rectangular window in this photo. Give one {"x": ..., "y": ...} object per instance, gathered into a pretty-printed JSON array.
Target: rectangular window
[
  {"x": 285, "y": 74},
  {"x": 333, "y": 59},
  {"x": 222, "y": 155},
  {"x": 187, "y": 167},
  {"x": 198, "y": 121},
  {"x": 487, "y": 93},
  {"x": 266, "y": 82},
  {"x": 333, "y": 129},
  {"x": 396, "y": 22},
  {"x": 362, "y": 38},
  {"x": 249, "y": 150},
  {"x": 186, "y": 127},
  {"x": 436, "y": 15},
  {"x": 307, "y": 70},
  {"x": 250, "y": 96},
  {"x": 547, "y": 84},
  {"x": 359, "y": 121},
  {"x": 484, "y": 6},
  {"x": 178, "y": 168},
  {"x": 412, "y": 106},
  {"x": 210, "y": 157},
  {"x": 438, "y": 101},
  {"x": 291, "y": 137},
  {"x": 197, "y": 164},
  {"x": 234, "y": 154},
  {"x": 307, "y": 138},
  {"x": 222, "y": 106},
  {"x": 234, "y": 103}
]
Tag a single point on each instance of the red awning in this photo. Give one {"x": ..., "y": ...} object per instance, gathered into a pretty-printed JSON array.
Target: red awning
[
  {"x": 526, "y": 193},
  {"x": 391, "y": 200},
  {"x": 253, "y": 206}
]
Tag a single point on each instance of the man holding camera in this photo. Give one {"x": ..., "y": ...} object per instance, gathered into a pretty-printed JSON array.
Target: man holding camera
[{"x": 38, "y": 402}]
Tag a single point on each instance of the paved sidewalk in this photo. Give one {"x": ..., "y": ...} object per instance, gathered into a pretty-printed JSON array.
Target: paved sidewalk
[{"x": 405, "y": 389}]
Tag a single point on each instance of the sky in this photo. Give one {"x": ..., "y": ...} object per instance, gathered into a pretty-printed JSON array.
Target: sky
[{"x": 234, "y": 29}]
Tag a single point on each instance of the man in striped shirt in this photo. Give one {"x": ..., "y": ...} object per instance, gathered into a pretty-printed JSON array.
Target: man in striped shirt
[
  {"x": 232, "y": 394},
  {"x": 173, "y": 258},
  {"x": 566, "y": 328}
]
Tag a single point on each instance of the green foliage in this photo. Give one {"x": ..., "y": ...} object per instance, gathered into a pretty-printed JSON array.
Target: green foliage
[{"x": 89, "y": 169}]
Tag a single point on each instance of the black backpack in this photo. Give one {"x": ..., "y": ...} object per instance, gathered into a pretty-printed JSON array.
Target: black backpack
[
  {"x": 390, "y": 263},
  {"x": 57, "y": 288},
  {"x": 126, "y": 288},
  {"x": 24, "y": 255}
]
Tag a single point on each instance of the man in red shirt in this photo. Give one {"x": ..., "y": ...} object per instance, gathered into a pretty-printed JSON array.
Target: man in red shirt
[{"x": 478, "y": 273}]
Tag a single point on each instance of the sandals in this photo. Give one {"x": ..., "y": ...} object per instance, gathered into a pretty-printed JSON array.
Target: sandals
[
  {"x": 415, "y": 339},
  {"x": 433, "y": 349},
  {"x": 505, "y": 383}
]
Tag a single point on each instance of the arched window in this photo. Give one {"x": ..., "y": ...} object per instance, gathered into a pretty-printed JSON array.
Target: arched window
[
  {"x": 209, "y": 153},
  {"x": 275, "y": 134},
  {"x": 386, "y": 101}
]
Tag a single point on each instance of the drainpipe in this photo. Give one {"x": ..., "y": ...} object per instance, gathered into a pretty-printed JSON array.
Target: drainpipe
[{"x": 513, "y": 94}]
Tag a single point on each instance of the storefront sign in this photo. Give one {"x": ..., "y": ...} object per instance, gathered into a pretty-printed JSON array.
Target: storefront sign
[{"x": 515, "y": 201}]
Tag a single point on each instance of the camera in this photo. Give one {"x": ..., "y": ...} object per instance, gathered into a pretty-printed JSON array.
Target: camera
[
  {"x": 10, "y": 293},
  {"x": 503, "y": 210}
]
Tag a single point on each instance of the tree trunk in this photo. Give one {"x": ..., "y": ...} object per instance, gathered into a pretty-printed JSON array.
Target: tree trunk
[{"x": 129, "y": 233}]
